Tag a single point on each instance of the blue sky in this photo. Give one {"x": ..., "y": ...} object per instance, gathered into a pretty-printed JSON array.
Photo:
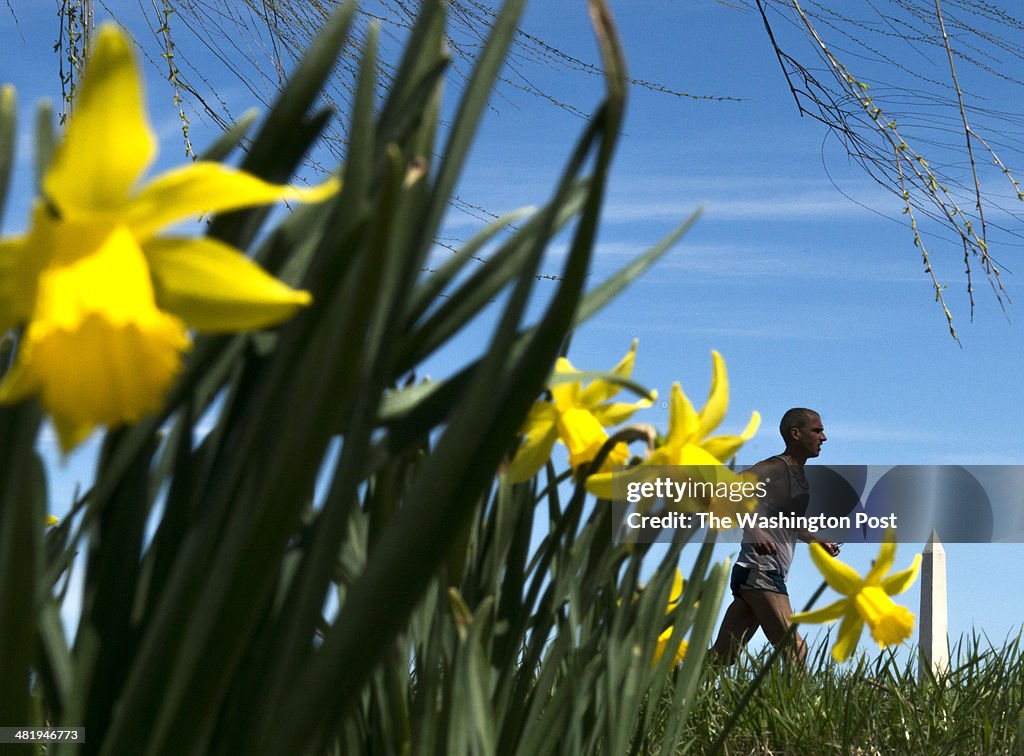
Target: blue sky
[{"x": 813, "y": 299}]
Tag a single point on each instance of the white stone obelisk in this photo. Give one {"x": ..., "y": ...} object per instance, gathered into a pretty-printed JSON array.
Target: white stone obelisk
[{"x": 933, "y": 636}]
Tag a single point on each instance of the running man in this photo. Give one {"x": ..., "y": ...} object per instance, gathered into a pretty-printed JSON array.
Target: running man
[{"x": 760, "y": 597}]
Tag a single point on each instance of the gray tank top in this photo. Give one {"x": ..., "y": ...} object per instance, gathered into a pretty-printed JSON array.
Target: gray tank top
[{"x": 783, "y": 538}]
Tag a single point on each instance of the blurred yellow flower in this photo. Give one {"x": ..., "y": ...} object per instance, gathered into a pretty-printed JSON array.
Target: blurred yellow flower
[
  {"x": 663, "y": 640},
  {"x": 867, "y": 600},
  {"x": 666, "y": 636},
  {"x": 107, "y": 303},
  {"x": 51, "y": 520},
  {"x": 577, "y": 416},
  {"x": 688, "y": 442}
]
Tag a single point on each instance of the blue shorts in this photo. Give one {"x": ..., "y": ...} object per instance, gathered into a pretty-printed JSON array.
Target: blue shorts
[{"x": 757, "y": 579}]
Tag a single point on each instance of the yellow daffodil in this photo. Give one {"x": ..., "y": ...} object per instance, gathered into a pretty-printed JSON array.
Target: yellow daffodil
[
  {"x": 688, "y": 442},
  {"x": 107, "y": 303},
  {"x": 577, "y": 416},
  {"x": 866, "y": 599},
  {"x": 663, "y": 640},
  {"x": 659, "y": 649}
]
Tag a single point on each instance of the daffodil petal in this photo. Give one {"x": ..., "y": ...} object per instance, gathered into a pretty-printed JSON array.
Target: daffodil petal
[
  {"x": 15, "y": 295},
  {"x": 108, "y": 143},
  {"x": 677, "y": 589},
  {"x": 684, "y": 646},
  {"x": 713, "y": 412},
  {"x": 619, "y": 412},
  {"x": 841, "y": 577},
  {"x": 191, "y": 190},
  {"x": 725, "y": 446},
  {"x": 541, "y": 432},
  {"x": 70, "y": 433},
  {"x": 566, "y": 394},
  {"x": 899, "y": 581},
  {"x": 602, "y": 391},
  {"x": 696, "y": 456},
  {"x": 886, "y": 557},
  {"x": 829, "y": 613},
  {"x": 682, "y": 418},
  {"x": 600, "y": 485},
  {"x": 663, "y": 455},
  {"x": 849, "y": 635},
  {"x": 752, "y": 425},
  {"x": 531, "y": 457},
  {"x": 662, "y": 645},
  {"x": 22, "y": 382},
  {"x": 542, "y": 418},
  {"x": 215, "y": 288}
]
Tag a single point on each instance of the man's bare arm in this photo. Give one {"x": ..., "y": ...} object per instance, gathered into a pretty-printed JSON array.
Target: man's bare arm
[{"x": 808, "y": 537}]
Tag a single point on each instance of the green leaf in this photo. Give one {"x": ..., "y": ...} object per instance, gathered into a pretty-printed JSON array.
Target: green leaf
[
  {"x": 471, "y": 108},
  {"x": 480, "y": 288},
  {"x": 225, "y": 144},
  {"x": 56, "y": 670},
  {"x": 112, "y": 574},
  {"x": 240, "y": 227},
  {"x": 436, "y": 283},
  {"x": 409, "y": 420},
  {"x": 22, "y": 509},
  {"x": 557, "y": 379},
  {"x": 611, "y": 287},
  {"x": 700, "y": 636},
  {"x": 46, "y": 142},
  {"x": 8, "y": 136},
  {"x": 450, "y": 482},
  {"x": 422, "y": 62}
]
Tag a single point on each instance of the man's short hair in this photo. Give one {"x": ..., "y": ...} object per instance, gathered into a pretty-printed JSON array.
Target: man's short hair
[{"x": 797, "y": 417}]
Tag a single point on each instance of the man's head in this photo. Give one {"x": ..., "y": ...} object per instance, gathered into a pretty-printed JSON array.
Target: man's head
[{"x": 803, "y": 432}]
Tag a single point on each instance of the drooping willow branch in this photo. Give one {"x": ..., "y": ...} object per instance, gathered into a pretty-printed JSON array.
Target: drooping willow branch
[{"x": 890, "y": 153}]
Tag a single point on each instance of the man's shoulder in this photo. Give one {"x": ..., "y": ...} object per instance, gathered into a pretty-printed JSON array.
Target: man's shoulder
[{"x": 769, "y": 463}]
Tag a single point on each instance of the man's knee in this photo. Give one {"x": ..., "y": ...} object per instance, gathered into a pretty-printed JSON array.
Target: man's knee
[{"x": 772, "y": 611}]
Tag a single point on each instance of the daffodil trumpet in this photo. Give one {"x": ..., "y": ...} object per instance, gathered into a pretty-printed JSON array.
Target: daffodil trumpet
[{"x": 627, "y": 435}]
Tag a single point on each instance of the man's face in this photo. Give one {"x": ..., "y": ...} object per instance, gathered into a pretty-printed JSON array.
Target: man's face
[{"x": 811, "y": 435}]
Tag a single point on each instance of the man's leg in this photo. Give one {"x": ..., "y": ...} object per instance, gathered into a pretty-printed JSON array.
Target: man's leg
[
  {"x": 738, "y": 626},
  {"x": 772, "y": 611}
]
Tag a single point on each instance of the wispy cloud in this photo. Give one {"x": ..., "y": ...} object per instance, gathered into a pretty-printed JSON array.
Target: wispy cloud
[
  {"x": 764, "y": 199},
  {"x": 787, "y": 207},
  {"x": 761, "y": 262}
]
